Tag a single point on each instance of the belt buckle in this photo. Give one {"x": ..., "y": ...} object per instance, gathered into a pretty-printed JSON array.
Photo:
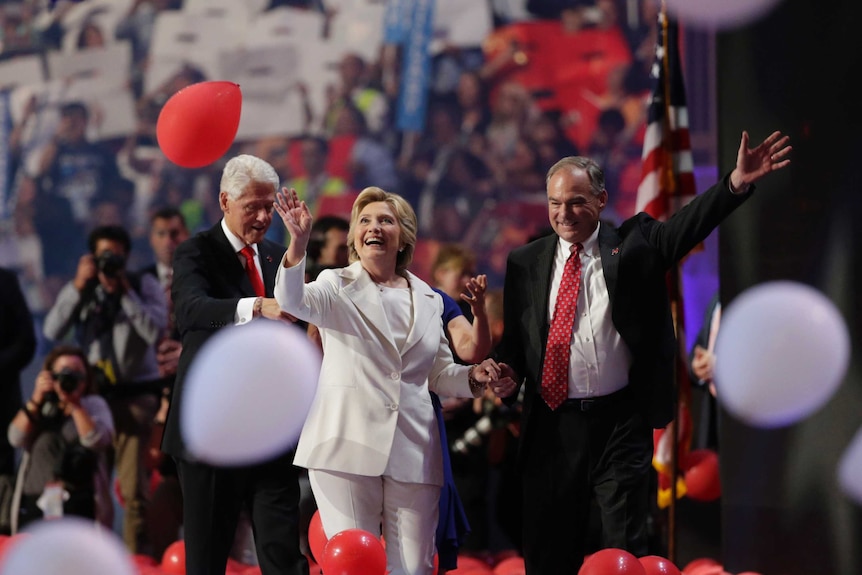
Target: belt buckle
[{"x": 587, "y": 404}]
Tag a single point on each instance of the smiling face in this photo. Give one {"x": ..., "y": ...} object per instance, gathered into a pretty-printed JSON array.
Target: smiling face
[
  {"x": 573, "y": 208},
  {"x": 377, "y": 234},
  {"x": 249, "y": 215}
]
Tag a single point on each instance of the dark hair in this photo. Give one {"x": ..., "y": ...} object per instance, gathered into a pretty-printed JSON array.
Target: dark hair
[
  {"x": 61, "y": 350},
  {"x": 70, "y": 108},
  {"x": 168, "y": 213},
  {"x": 322, "y": 143},
  {"x": 318, "y": 233},
  {"x": 115, "y": 233}
]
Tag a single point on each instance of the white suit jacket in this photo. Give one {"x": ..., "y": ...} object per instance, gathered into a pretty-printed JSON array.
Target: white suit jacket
[{"x": 372, "y": 402}]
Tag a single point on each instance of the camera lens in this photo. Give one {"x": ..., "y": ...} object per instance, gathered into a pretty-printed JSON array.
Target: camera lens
[
  {"x": 68, "y": 379},
  {"x": 110, "y": 263}
]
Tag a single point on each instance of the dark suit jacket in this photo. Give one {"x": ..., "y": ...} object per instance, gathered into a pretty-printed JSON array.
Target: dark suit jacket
[
  {"x": 635, "y": 259},
  {"x": 17, "y": 347},
  {"x": 209, "y": 281}
]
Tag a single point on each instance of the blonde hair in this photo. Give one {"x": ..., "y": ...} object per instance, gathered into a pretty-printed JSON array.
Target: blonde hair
[
  {"x": 406, "y": 221},
  {"x": 454, "y": 256}
]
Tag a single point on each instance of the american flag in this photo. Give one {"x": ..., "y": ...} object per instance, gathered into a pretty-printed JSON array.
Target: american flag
[
  {"x": 667, "y": 184},
  {"x": 667, "y": 178}
]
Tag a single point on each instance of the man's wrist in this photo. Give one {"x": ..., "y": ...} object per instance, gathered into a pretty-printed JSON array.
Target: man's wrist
[
  {"x": 257, "y": 308},
  {"x": 737, "y": 190}
]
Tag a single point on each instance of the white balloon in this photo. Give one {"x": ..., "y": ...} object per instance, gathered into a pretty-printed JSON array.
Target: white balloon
[
  {"x": 719, "y": 13},
  {"x": 71, "y": 546},
  {"x": 781, "y": 352},
  {"x": 247, "y": 393},
  {"x": 850, "y": 469}
]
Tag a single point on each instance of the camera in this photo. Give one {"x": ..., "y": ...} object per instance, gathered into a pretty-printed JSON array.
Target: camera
[
  {"x": 110, "y": 264},
  {"x": 68, "y": 379},
  {"x": 50, "y": 411}
]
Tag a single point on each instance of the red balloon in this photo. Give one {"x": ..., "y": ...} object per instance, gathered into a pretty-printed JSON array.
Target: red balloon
[
  {"x": 354, "y": 552},
  {"x": 707, "y": 570},
  {"x": 150, "y": 570},
  {"x": 235, "y": 567},
  {"x": 174, "y": 558},
  {"x": 142, "y": 560},
  {"x": 499, "y": 556},
  {"x": 612, "y": 561},
  {"x": 702, "y": 480},
  {"x": 698, "y": 564},
  {"x": 197, "y": 124},
  {"x": 317, "y": 539},
  {"x": 468, "y": 562},
  {"x": 510, "y": 566},
  {"x": 657, "y": 565}
]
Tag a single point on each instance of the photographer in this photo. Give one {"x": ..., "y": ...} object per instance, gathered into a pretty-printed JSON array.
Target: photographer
[
  {"x": 64, "y": 431},
  {"x": 117, "y": 317}
]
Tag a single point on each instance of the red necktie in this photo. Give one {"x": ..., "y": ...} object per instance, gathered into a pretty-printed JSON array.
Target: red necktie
[
  {"x": 251, "y": 270},
  {"x": 555, "y": 371}
]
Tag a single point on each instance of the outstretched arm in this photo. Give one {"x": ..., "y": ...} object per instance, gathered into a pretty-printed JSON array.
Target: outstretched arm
[{"x": 754, "y": 163}]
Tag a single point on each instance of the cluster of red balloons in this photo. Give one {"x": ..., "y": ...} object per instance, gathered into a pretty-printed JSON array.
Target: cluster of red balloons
[
  {"x": 174, "y": 563},
  {"x": 614, "y": 561}
]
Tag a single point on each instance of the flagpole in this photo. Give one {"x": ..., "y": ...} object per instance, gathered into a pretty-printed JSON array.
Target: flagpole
[
  {"x": 667, "y": 184},
  {"x": 674, "y": 301}
]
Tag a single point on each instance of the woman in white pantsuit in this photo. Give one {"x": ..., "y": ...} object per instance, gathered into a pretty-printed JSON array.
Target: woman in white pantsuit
[{"x": 370, "y": 441}]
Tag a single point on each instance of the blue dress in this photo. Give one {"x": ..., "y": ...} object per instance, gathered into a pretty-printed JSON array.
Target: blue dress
[{"x": 452, "y": 525}]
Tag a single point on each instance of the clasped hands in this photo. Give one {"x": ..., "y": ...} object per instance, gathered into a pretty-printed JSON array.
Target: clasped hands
[{"x": 497, "y": 377}]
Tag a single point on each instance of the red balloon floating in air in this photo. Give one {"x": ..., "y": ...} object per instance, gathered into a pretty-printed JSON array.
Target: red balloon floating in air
[{"x": 197, "y": 125}]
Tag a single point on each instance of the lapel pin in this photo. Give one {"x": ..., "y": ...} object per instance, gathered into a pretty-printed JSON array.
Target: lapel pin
[
  {"x": 615, "y": 251},
  {"x": 269, "y": 259}
]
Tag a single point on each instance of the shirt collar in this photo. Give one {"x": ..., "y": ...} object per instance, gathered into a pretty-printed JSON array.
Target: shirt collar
[
  {"x": 163, "y": 271},
  {"x": 591, "y": 244},
  {"x": 236, "y": 243}
]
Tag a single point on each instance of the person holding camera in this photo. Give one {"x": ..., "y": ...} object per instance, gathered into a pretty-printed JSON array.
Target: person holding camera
[
  {"x": 64, "y": 431},
  {"x": 117, "y": 317}
]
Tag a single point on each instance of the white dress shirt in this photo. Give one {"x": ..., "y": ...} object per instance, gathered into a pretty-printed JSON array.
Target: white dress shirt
[{"x": 599, "y": 360}]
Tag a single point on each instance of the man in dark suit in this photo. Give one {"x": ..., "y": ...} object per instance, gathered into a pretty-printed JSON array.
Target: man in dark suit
[
  {"x": 214, "y": 287},
  {"x": 17, "y": 347},
  {"x": 168, "y": 230},
  {"x": 591, "y": 435}
]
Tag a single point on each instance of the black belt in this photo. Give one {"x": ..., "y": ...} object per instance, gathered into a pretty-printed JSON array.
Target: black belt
[{"x": 599, "y": 402}]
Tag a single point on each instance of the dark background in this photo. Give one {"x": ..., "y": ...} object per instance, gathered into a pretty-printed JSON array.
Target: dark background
[{"x": 795, "y": 70}]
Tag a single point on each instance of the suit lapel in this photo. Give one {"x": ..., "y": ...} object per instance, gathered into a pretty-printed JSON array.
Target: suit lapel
[
  {"x": 365, "y": 296},
  {"x": 609, "y": 246},
  {"x": 229, "y": 261},
  {"x": 424, "y": 311},
  {"x": 270, "y": 258},
  {"x": 540, "y": 283}
]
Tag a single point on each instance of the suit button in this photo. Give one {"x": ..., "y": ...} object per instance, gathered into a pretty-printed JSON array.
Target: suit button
[
  {"x": 393, "y": 406},
  {"x": 395, "y": 375}
]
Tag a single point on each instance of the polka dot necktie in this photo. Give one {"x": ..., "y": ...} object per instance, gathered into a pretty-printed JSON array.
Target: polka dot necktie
[
  {"x": 555, "y": 371},
  {"x": 251, "y": 270}
]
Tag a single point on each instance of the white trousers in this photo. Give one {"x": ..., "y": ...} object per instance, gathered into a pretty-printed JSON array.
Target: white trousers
[{"x": 408, "y": 513}]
